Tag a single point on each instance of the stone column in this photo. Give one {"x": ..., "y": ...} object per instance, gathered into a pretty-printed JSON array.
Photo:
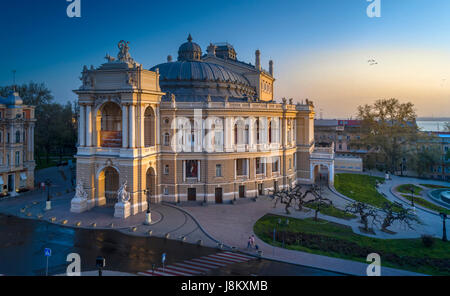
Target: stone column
[
  {"x": 157, "y": 127},
  {"x": 251, "y": 133},
  {"x": 227, "y": 134},
  {"x": 124, "y": 126},
  {"x": 88, "y": 125},
  {"x": 132, "y": 126},
  {"x": 142, "y": 126},
  {"x": 82, "y": 128}
]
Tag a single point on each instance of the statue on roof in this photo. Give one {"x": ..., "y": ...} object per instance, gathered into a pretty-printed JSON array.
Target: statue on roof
[{"x": 124, "y": 54}]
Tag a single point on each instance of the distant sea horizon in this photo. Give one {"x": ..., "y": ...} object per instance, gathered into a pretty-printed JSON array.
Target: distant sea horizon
[
  {"x": 429, "y": 124},
  {"x": 426, "y": 124}
]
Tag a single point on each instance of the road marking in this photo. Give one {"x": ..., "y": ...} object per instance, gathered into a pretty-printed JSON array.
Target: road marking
[
  {"x": 228, "y": 259},
  {"x": 197, "y": 266},
  {"x": 202, "y": 269},
  {"x": 208, "y": 261}
]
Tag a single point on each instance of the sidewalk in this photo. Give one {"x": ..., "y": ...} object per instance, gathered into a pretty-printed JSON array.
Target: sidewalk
[{"x": 232, "y": 225}]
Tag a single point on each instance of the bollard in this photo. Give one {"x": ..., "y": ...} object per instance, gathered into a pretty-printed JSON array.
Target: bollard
[
  {"x": 150, "y": 232},
  {"x": 148, "y": 218},
  {"x": 48, "y": 205},
  {"x": 167, "y": 235},
  {"x": 199, "y": 242}
]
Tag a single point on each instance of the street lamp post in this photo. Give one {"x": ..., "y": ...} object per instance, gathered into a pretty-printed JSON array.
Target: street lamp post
[
  {"x": 148, "y": 215},
  {"x": 48, "y": 204},
  {"x": 444, "y": 230}
]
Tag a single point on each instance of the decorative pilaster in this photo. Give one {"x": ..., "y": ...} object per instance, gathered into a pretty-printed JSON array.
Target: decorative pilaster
[
  {"x": 88, "y": 125},
  {"x": 82, "y": 129},
  {"x": 124, "y": 126},
  {"x": 132, "y": 126}
]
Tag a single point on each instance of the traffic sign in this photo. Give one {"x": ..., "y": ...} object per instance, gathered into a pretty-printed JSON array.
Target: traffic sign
[{"x": 48, "y": 252}]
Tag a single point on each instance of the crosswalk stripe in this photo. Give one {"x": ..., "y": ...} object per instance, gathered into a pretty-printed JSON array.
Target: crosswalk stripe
[
  {"x": 227, "y": 258},
  {"x": 220, "y": 260},
  {"x": 145, "y": 273},
  {"x": 200, "y": 269},
  {"x": 210, "y": 266},
  {"x": 208, "y": 261},
  {"x": 239, "y": 255},
  {"x": 185, "y": 270},
  {"x": 168, "y": 269},
  {"x": 157, "y": 272},
  {"x": 200, "y": 265}
]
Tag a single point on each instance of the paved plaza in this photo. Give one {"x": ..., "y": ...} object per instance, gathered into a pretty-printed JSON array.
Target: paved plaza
[{"x": 209, "y": 225}]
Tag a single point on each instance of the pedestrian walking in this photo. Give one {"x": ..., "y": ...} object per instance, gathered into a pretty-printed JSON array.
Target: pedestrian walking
[
  {"x": 252, "y": 239},
  {"x": 249, "y": 243}
]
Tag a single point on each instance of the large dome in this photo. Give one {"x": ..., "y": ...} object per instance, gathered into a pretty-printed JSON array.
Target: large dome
[
  {"x": 196, "y": 80},
  {"x": 200, "y": 71}
]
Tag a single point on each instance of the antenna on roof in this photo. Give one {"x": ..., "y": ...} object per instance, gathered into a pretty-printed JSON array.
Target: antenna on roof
[{"x": 14, "y": 80}]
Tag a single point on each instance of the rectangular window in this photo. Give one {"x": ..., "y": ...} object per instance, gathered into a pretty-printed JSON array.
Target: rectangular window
[
  {"x": 166, "y": 139},
  {"x": 218, "y": 170},
  {"x": 241, "y": 167},
  {"x": 166, "y": 169},
  {"x": 191, "y": 169},
  {"x": 259, "y": 166},
  {"x": 276, "y": 164},
  {"x": 166, "y": 191},
  {"x": 17, "y": 158}
]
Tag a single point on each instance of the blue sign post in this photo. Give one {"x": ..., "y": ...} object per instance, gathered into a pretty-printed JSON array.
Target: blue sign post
[
  {"x": 47, "y": 253},
  {"x": 163, "y": 259}
]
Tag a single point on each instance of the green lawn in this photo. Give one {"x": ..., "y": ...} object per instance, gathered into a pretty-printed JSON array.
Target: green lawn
[
  {"x": 406, "y": 188},
  {"x": 360, "y": 188},
  {"x": 434, "y": 186},
  {"x": 332, "y": 211},
  {"x": 426, "y": 204},
  {"x": 335, "y": 240}
]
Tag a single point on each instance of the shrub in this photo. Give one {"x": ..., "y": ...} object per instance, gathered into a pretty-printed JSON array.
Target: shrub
[{"x": 427, "y": 240}]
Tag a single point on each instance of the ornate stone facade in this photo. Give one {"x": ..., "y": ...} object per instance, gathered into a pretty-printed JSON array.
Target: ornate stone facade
[{"x": 207, "y": 134}]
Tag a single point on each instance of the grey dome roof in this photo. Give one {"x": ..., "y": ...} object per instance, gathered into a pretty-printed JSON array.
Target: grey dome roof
[
  {"x": 189, "y": 51},
  {"x": 200, "y": 71}
]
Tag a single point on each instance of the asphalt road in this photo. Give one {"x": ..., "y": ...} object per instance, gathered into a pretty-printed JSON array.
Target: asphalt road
[{"x": 22, "y": 244}]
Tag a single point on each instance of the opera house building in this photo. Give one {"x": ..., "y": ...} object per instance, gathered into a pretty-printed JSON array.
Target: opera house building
[{"x": 204, "y": 128}]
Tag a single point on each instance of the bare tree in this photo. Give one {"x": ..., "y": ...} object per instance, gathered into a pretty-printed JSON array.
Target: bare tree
[
  {"x": 396, "y": 212},
  {"x": 364, "y": 211},
  {"x": 318, "y": 200}
]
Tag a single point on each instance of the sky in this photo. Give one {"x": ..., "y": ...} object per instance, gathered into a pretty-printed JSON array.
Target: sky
[{"x": 320, "y": 48}]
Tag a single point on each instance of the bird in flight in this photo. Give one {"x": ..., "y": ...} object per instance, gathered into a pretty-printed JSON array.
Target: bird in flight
[{"x": 372, "y": 62}]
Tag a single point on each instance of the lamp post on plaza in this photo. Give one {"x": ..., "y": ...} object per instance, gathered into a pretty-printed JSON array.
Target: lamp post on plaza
[
  {"x": 148, "y": 214},
  {"x": 444, "y": 230},
  {"x": 48, "y": 204},
  {"x": 412, "y": 195}
]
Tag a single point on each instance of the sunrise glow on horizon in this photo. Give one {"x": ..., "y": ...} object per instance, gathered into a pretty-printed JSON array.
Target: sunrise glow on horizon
[{"x": 320, "y": 48}]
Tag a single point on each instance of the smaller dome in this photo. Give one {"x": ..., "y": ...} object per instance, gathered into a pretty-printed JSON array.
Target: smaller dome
[
  {"x": 12, "y": 100},
  {"x": 189, "y": 51}
]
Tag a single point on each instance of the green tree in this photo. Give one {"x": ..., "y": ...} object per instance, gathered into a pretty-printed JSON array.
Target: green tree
[
  {"x": 56, "y": 124},
  {"x": 32, "y": 93},
  {"x": 388, "y": 129},
  {"x": 425, "y": 156}
]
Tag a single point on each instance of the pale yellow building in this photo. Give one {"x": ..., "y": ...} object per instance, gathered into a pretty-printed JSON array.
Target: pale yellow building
[
  {"x": 203, "y": 128},
  {"x": 17, "y": 163}
]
